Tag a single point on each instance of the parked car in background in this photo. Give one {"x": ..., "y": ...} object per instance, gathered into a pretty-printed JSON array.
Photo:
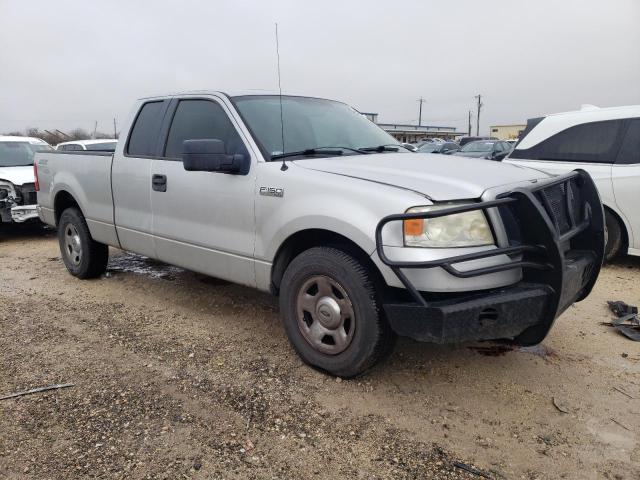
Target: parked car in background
[
  {"x": 464, "y": 140},
  {"x": 410, "y": 146},
  {"x": 444, "y": 147},
  {"x": 102, "y": 145},
  {"x": 512, "y": 142},
  {"x": 18, "y": 196},
  {"x": 489, "y": 149},
  {"x": 360, "y": 239},
  {"x": 606, "y": 143}
]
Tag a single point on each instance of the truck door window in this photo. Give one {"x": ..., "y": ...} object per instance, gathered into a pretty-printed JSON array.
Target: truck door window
[
  {"x": 630, "y": 150},
  {"x": 144, "y": 134},
  {"x": 199, "y": 120}
]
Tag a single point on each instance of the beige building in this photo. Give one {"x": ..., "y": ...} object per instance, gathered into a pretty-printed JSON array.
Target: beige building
[
  {"x": 413, "y": 133},
  {"x": 506, "y": 132}
]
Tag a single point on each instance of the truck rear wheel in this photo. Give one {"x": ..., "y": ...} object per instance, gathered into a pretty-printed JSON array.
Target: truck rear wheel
[
  {"x": 81, "y": 254},
  {"x": 332, "y": 314}
]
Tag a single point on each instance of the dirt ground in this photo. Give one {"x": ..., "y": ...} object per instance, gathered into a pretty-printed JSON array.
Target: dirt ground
[{"x": 177, "y": 375}]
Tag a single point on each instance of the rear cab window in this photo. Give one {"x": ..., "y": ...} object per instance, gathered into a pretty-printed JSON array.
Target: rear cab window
[{"x": 143, "y": 139}]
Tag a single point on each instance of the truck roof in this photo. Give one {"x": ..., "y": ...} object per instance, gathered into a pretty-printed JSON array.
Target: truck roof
[{"x": 227, "y": 93}]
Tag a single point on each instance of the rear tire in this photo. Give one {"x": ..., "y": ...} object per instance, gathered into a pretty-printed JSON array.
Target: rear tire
[
  {"x": 614, "y": 236},
  {"x": 332, "y": 314},
  {"x": 81, "y": 254}
]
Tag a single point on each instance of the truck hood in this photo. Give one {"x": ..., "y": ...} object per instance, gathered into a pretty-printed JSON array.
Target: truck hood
[
  {"x": 17, "y": 175},
  {"x": 438, "y": 177}
]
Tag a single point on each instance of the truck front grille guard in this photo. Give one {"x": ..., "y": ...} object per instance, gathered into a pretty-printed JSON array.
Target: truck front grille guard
[{"x": 547, "y": 251}]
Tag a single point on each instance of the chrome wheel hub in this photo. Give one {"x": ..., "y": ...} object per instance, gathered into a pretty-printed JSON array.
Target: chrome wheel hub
[
  {"x": 325, "y": 315},
  {"x": 72, "y": 244}
]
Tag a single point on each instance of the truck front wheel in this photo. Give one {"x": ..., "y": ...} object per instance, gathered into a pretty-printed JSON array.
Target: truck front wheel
[
  {"x": 332, "y": 314},
  {"x": 81, "y": 254}
]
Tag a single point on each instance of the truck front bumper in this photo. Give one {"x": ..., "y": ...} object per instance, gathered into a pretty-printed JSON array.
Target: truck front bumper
[
  {"x": 22, "y": 213},
  {"x": 560, "y": 252}
]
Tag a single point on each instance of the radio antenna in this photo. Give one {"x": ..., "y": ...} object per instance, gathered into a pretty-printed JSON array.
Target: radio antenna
[{"x": 284, "y": 164}]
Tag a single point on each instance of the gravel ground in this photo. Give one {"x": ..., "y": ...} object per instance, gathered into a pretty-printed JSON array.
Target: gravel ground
[{"x": 180, "y": 375}]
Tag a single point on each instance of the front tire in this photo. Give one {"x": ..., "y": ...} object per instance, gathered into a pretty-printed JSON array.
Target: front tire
[
  {"x": 81, "y": 254},
  {"x": 332, "y": 314}
]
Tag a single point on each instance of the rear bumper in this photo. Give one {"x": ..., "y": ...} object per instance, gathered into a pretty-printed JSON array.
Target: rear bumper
[{"x": 560, "y": 260}]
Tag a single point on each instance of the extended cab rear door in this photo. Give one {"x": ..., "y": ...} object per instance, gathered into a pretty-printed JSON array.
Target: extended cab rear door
[
  {"x": 131, "y": 178},
  {"x": 204, "y": 221}
]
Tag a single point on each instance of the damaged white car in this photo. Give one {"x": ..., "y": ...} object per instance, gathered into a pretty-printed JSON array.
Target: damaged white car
[{"x": 18, "y": 198}]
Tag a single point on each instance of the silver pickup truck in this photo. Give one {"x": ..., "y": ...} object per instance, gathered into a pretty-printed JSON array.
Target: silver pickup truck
[{"x": 361, "y": 239}]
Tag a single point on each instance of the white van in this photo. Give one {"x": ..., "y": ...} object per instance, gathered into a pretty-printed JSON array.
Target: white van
[{"x": 606, "y": 143}]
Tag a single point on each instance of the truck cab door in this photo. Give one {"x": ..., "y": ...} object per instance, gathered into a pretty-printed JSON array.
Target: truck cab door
[
  {"x": 203, "y": 221},
  {"x": 130, "y": 179}
]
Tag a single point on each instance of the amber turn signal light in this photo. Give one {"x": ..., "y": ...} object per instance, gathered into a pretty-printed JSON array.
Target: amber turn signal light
[{"x": 414, "y": 227}]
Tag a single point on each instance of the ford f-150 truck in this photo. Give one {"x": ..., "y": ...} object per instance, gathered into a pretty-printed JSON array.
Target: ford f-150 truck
[{"x": 361, "y": 239}]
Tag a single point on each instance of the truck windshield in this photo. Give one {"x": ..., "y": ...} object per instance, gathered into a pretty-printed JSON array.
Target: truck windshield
[
  {"x": 310, "y": 124},
  {"x": 14, "y": 154}
]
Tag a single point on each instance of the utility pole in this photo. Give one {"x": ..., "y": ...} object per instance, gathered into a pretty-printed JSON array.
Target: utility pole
[
  {"x": 469, "y": 134},
  {"x": 115, "y": 131},
  {"x": 95, "y": 129},
  {"x": 479, "y": 97},
  {"x": 421, "y": 101}
]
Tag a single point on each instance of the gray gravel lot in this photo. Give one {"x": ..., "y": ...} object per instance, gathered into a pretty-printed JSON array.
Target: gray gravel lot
[{"x": 181, "y": 375}]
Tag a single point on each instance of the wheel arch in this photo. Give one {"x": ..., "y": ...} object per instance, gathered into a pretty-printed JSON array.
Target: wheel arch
[
  {"x": 624, "y": 228},
  {"x": 63, "y": 200},
  {"x": 303, "y": 240}
]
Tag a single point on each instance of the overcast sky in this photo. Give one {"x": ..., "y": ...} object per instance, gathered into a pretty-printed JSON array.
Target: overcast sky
[{"x": 65, "y": 64}]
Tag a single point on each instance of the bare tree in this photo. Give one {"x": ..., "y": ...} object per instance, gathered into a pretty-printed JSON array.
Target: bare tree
[{"x": 55, "y": 136}]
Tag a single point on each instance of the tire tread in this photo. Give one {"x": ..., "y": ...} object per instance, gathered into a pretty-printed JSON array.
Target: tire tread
[{"x": 97, "y": 253}]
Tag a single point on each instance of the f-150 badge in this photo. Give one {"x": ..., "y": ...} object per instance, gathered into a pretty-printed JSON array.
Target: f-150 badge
[{"x": 272, "y": 191}]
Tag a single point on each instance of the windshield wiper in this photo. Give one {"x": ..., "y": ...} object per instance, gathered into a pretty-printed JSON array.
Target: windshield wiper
[
  {"x": 391, "y": 147},
  {"x": 318, "y": 151}
]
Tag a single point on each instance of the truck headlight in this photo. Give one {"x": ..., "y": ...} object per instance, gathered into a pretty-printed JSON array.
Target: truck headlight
[{"x": 468, "y": 229}]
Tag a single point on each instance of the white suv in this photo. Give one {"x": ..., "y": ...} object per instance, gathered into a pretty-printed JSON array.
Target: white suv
[{"x": 606, "y": 143}]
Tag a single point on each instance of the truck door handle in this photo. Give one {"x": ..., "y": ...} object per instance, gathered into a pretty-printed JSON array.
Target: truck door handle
[{"x": 159, "y": 182}]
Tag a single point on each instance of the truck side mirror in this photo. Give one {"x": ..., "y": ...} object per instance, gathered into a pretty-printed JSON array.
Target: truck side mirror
[{"x": 209, "y": 155}]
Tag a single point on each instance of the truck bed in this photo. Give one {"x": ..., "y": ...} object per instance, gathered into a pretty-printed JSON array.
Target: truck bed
[{"x": 88, "y": 176}]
